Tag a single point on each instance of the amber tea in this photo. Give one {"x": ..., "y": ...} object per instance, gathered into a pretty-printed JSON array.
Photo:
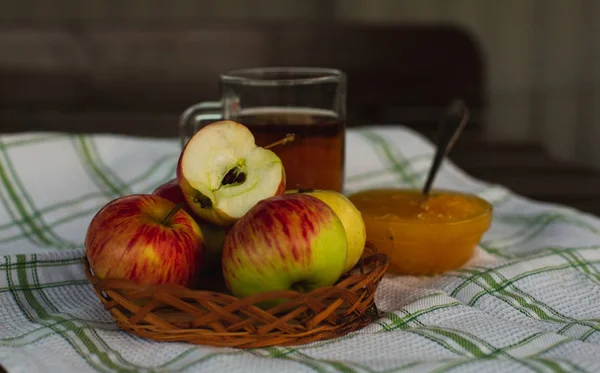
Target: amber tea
[{"x": 315, "y": 159}]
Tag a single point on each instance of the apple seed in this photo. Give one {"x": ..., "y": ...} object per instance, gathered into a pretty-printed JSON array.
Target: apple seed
[
  {"x": 235, "y": 175},
  {"x": 241, "y": 177},
  {"x": 203, "y": 200}
]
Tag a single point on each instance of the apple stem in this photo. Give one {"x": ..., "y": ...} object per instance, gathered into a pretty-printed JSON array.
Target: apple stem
[
  {"x": 171, "y": 213},
  {"x": 304, "y": 190},
  {"x": 290, "y": 137}
]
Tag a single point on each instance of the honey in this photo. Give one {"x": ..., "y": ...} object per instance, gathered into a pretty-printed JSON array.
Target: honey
[{"x": 423, "y": 235}]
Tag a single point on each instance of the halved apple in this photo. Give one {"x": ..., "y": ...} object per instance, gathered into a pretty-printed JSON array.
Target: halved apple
[{"x": 223, "y": 173}]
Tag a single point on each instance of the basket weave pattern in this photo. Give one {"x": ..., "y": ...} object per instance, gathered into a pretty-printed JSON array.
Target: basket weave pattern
[{"x": 177, "y": 313}]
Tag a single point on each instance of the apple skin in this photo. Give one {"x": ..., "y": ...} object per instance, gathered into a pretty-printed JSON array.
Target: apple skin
[
  {"x": 214, "y": 240},
  {"x": 350, "y": 216},
  {"x": 171, "y": 191},
  {"x": 127, "y": 239},
  {"x": 287, "y": 242},
  {"x": 214, "y": 235}
]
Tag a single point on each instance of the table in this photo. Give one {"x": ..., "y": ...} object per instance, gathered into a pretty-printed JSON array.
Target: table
[{"x": 526, "y": 302}]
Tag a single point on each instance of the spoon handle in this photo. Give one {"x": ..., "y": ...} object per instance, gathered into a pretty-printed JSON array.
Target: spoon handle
[{"x": 451, "y": 126}]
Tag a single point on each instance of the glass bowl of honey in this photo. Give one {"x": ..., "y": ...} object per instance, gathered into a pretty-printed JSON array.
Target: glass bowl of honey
[{"x": 423, "y": 234}]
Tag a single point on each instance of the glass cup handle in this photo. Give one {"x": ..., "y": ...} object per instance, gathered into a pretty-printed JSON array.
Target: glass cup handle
[{"x": 192, "y": 118}]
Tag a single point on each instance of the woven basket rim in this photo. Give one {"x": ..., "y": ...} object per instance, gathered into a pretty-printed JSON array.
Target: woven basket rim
[
  {"x": 180, "y": 289},
  {"x": 211, "y": 317}
]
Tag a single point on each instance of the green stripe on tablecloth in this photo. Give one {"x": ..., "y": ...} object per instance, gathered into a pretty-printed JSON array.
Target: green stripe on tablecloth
[
  {"x": 42, "y": 316},
  {"x": 94, "y": 171},
  {"x": 19, "y": 203},
  {"x": 581, "y": 264},
  {"x": 402, "y": 323},
  {"x": 39, "y": 310},
  {"x": 533, "y": 225},
  {"x": 34, "y": 140},
  {"x": 108, "y": 171},
  {"x": 388, "y": 170},
  {"x": 21, "y": 223},
  {"x": 50, "y": 285},
  {"x": 12, "y": 202},
  {"x": 522, "y": 305},
  {"x": 274, "y": 353},
  {"x": 397, "y": 322},
  {"x": 93, "y": 195},
  {"x": 590, "y": 332},
  {"x": 86, "y": 326},
  {"x": 285, "y": 352},
  {"x": 494, "y": 286},
  {"x": 391, "y": 154},
  {"x": 42, "y": 263},
  {"x": 199, "y": 360},
  {"x": 535, "y": 254},
  {"x": 397, "y": 161},
  {"x": 55, "y": 224},
  {"x": 438, "y": 341},
  {"x": 527, "y": 361},
  {"x": 64, "y": 220},
  {"x": 469, "y": 349},
  {"x": 542, "y": 365},
  {"x": 519, "y": 300},
  {"x": 339, "y": 366},
  {"x": 280, "y": 352},
  {"x": 318, "y": 365},
  {"x": 494, "y": 251},
  {"x": 469, "y": 343},
  {"x": 465, "y": 341},
  {"x": 34, "y": 213},
  {"x": 61, "y": 325},
  {"x": 142, "y": 178}
]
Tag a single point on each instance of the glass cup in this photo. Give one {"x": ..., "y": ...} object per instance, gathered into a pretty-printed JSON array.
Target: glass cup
[{"x": 275, "y": 101}]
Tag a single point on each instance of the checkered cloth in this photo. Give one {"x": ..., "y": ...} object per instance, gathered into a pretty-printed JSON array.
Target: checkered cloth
[{"x": 528, "y": 302}]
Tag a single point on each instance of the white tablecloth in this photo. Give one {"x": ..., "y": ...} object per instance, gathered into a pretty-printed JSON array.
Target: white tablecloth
[{"x": 528, "y": 302}]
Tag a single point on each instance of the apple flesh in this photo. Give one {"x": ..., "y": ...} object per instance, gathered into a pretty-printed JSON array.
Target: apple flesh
[
  {"x": 285, "y": 242},
  {"x": 223, "y": 174},
  {"x": 350, "y": 216},
  {"x": 146, "y": 239}
]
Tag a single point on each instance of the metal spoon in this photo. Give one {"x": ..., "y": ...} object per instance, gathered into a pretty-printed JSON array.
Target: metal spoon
[{"x": 451, "y": 125}]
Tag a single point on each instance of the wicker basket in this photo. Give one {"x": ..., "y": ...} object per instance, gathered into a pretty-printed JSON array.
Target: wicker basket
[{"x": 176, "y": 313}]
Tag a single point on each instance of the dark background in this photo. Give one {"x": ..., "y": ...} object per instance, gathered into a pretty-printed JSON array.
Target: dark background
[{"x": 132, "y": 67}]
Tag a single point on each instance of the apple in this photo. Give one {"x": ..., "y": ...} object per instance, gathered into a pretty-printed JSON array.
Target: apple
[
  {"x": 223, "y": 173},
  {"x": 171, "y": 191},
  {"x": 214, "y": 240},
  {"x": 350, "y": 216},
  {"x": 287, "y": 242},
  {"x": 214, "y": 235},
  {"x": 146, "y": 239}
]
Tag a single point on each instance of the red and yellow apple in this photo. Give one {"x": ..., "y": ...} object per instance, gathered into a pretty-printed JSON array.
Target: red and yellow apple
[
  {"x": 223, "y": 173},
  {"x": 350, "y": 216},
  {"x": 171, "y": 191},
  {"x": 214, "y": 235},
  {"x": 146, "y": 239},
  {"x": 293, "y": 241}
]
